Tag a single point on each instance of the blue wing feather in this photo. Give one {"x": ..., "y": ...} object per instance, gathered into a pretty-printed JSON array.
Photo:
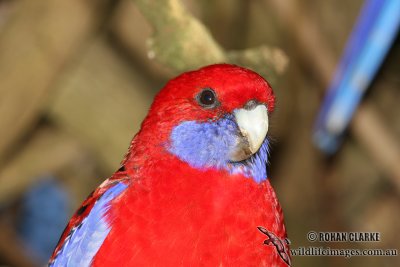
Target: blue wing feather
[{"x": 86, "y": 238}]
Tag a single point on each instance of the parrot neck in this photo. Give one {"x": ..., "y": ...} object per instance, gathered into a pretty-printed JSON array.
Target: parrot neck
[
  {"x": 203, "y": 146},
  {"x": 149, "y": 154}
]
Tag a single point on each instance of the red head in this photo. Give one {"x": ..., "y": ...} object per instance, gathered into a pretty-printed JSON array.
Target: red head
[
  {"x": 234, "y": 86},
  {"x": 236, "y": 99}
]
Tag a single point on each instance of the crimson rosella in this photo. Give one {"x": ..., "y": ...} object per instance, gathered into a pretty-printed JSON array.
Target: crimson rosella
[{"x": 193, "y": 188}]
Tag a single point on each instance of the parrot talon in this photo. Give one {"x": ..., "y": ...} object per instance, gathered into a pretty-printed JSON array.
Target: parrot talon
[
  {"x": 268, "y": 241},
  {"x": 278, "y": 243}
]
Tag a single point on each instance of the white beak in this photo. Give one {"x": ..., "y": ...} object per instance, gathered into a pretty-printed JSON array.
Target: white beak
[{"x": 253, "y": 125}]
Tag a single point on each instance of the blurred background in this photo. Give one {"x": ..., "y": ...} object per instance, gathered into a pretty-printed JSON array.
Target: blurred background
[{"x": 77, "y": 77}]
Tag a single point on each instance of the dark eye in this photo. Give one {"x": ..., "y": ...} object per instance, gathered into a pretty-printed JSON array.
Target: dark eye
[{"x": 207, "y": 98}]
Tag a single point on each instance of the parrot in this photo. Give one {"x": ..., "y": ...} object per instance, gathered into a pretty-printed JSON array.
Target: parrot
[{"x": 193, "y": 189}]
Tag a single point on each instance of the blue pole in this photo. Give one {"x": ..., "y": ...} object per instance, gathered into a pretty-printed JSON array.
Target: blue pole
[{"x": 369, "y": 43}]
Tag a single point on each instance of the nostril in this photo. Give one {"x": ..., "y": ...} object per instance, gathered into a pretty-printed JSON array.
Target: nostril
[{"x": 251, "y": 104}]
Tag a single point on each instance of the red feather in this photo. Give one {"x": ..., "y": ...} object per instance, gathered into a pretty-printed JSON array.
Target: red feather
[{"x": 184, "y": 217}]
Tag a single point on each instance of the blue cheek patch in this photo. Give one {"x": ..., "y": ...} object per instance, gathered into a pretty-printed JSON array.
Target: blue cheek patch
[
  {"x": 206, "y": 144},
  {"x": 209, "y": 145}
]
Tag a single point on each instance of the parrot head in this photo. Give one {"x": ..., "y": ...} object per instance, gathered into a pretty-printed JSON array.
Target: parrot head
[{"x": 214, "y": 117}]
